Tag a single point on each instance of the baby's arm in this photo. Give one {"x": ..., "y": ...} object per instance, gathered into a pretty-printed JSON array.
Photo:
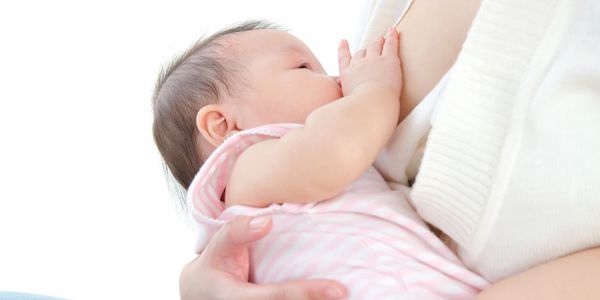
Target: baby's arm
[{"x": 339, "y": 141}]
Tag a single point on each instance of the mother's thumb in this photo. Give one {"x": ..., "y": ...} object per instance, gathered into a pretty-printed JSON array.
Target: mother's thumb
[{"x": 240, "y": 232}]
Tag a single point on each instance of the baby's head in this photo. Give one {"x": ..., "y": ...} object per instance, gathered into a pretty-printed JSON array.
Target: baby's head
[{"x": 242, "y": 77}]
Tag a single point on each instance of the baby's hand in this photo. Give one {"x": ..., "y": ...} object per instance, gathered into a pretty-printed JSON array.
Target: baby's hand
[{"x": 377, "y": 66}]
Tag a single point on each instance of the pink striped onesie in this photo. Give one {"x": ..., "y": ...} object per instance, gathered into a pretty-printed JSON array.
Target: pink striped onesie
[{"x": 368, "y": 238}]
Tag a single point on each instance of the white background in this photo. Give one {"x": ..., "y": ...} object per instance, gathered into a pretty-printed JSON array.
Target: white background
[{"x": 85, "y": 212}]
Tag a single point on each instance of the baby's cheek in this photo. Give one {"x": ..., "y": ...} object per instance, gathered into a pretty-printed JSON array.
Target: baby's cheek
[{"x": 336, "y": 91}]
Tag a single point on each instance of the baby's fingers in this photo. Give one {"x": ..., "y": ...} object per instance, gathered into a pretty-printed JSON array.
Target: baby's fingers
[
  {"x": 344, "y": 56},
  {"x": 375, "y": 47},
  {"x": 392, "y": 42}
]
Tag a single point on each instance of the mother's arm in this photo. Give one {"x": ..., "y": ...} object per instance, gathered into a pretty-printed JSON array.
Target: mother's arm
[{"x": 576, "y": 276}]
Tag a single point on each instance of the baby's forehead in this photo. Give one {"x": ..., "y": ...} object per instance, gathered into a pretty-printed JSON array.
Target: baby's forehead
[
  {"x": 262, "y": 34},
  {"x": 263, "y": 41}
]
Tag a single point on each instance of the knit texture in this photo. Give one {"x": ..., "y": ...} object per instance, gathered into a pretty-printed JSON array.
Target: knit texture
[{"x": 482, "y": 181}]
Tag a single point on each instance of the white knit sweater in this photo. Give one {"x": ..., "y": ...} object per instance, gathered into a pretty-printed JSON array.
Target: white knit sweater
[{"x": 512, "y": 167}]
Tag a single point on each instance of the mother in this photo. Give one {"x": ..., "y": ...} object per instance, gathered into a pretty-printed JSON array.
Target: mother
[{"x": 511, "y": 168}]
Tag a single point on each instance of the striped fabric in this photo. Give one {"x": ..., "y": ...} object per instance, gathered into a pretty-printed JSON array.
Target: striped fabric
[{"x": 368, "y": 238}]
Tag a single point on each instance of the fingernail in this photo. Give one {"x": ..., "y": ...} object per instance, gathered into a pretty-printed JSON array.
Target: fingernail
[
  {"x": 334, "y": 293},
  {"x": 388, "y": 33},
  {"x": 259, "y": 223}
]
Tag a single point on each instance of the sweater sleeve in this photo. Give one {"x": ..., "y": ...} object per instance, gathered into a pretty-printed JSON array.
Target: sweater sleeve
[{"x": 511, "y": 166}]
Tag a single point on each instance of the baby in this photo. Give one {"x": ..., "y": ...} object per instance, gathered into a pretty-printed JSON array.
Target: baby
[{"x": 272, "y": 134}]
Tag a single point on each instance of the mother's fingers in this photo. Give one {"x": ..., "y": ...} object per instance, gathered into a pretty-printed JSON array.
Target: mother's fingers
[
  {"x": 236, "y": 235},
  {"x": 296, "y": 290}
]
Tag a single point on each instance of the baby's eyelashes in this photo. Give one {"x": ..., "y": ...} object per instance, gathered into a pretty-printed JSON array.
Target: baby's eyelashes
[{"x": 304, "y": 66}]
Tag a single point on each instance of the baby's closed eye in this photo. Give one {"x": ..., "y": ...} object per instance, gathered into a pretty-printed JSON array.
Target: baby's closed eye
[{"x": 304, "y": 66}]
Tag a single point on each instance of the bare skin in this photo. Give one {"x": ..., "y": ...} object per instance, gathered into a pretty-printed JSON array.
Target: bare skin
[
  {"x": 574, "y": 276},
  {"x": 433, "y": 32}
]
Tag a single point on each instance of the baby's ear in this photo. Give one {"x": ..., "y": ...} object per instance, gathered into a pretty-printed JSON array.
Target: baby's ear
[{"x": 214, "y": 124}]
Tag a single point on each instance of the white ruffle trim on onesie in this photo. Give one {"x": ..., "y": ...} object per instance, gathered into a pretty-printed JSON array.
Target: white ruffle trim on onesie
[{"x": 206, "y": 190}]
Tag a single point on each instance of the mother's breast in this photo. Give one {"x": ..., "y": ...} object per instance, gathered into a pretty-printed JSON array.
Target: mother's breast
[{"x": 432, "y": 34}]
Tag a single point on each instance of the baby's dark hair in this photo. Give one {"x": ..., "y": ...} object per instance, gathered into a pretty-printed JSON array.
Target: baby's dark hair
[{"x": 198, "y": 77}]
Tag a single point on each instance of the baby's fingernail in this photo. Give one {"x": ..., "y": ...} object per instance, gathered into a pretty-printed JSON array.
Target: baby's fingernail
[
  {"x": 387, "y": 34},
  {"x": 259, "y": 223}
]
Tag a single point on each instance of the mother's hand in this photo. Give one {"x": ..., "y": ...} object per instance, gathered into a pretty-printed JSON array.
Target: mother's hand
[{"x": 221, "y": 271}]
